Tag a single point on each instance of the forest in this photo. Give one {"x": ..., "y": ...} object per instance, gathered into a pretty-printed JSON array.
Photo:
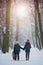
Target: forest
[{"x": 14, "y": 20}]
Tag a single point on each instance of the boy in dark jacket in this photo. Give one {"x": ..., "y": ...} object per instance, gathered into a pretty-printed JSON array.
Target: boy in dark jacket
[
  {"x": 17, "y": 50},
  {"x": 27, "y": 49}
]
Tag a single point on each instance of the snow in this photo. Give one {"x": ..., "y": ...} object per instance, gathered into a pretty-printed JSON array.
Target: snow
[{"x": 36, "y": 58}]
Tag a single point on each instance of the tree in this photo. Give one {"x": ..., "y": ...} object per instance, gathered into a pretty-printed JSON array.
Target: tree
[
  {"x": 5, "y": 46},
  {"x": 38, "y": 26},
  {"x": 17, "y": 22}
]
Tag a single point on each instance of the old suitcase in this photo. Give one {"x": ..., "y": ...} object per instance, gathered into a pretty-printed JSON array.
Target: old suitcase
[{"x": 14, "y": 56}]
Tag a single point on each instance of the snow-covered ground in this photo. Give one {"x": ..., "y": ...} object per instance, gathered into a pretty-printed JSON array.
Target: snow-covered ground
[{"x": 36, "y": 58}]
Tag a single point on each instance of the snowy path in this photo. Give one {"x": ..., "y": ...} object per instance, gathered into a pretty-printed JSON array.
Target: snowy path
[{"x": 36, "y": 58}]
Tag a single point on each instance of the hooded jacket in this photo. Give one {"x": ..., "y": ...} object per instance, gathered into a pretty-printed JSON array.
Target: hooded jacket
[
  {"x": 16, "y": 48},
  {"x": 27, "y": 46}
]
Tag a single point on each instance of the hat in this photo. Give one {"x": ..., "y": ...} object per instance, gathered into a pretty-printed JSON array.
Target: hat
[{"x": 17, "y": 42}]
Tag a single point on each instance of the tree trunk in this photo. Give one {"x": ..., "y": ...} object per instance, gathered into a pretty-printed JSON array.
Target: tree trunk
[
  {"x": 38, "y": 26},
  {"x": 5, "y": 46},
  {"x": 17, "y": 29},
  {"x": 17, "y": 23}
]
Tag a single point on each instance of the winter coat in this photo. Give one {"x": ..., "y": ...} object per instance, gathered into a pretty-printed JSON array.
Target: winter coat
[
  {"x": 16, "y": 48},
  {"x": 27, "y": 47}
]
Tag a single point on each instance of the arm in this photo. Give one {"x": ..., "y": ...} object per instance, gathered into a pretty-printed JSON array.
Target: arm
[
  {"x": 24, "y": 47},
  {"x": 30, "y": 45},
  {"x": 21, "y": 47}
]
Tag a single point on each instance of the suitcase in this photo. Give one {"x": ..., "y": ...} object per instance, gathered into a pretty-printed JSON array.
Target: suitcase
[{"x": 14, "y": 56}]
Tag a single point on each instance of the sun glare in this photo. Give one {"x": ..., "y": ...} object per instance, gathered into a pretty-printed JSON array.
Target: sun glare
[{"x": 21, "y": 10}]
